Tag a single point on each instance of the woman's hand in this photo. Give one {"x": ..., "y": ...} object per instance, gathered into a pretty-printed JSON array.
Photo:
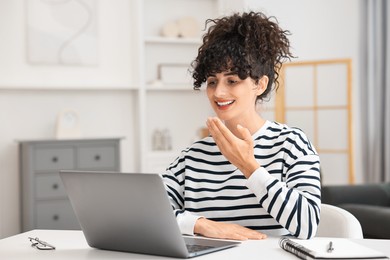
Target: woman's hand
[
  {"x": 213, "y": 229},
  {"x": 238, "y": 150}
]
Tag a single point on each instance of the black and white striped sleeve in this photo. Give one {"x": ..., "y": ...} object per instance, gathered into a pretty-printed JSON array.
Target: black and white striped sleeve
[
  {"x": 295, "y": 200},
  {"x": 174, "y": 179}
]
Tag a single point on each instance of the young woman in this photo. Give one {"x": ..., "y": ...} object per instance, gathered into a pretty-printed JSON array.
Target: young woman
[{"x": 251, "y": 177}]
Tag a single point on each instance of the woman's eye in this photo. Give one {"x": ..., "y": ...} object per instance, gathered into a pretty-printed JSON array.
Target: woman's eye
[
  {"x": 232, "y": 82},
  {"x": 211, "y": 83}
]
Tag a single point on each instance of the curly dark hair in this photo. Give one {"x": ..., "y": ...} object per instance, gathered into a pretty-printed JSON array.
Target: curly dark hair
[{"x": 249, "y": 44}]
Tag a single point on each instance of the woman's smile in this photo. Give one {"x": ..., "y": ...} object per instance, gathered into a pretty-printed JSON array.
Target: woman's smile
[{"x": 223, "y": 105}]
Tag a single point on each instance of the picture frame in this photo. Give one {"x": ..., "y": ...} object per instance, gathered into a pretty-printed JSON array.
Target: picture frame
[{"x": 174, "y": 73}]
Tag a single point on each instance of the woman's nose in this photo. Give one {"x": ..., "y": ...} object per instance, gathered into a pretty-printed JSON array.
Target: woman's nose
[{"x": 220, "y": 90}]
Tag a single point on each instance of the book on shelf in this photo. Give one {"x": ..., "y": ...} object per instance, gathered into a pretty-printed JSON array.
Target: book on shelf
[{"x": 328, "y": 248}]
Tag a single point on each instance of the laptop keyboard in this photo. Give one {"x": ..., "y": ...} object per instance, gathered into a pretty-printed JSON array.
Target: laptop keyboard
[{"x": 197, "y": 248}]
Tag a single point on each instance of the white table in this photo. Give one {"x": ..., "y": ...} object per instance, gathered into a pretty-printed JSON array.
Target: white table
[{"x": 72, "y": 245}]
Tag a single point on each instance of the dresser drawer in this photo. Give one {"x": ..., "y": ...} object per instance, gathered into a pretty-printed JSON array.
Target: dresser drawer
[
  {"x": 45, "y": 203},
  {"x": 47, "y": 159},
  {"x": 97, "y": 157},
  {"x": 55, "y": 214},
  {"x": 49, "y": 186}
]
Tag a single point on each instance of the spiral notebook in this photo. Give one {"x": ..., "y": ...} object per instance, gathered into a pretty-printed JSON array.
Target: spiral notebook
[{"x": 326, "y": 248}]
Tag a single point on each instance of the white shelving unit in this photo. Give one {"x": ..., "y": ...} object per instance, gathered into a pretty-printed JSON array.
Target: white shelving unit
[
  {"x": 168, "y": 106},
  {"x": 171, "y": 106}
]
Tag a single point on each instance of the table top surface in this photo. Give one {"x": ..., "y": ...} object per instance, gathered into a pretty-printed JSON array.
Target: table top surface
[{"x": 71, "y": 244}]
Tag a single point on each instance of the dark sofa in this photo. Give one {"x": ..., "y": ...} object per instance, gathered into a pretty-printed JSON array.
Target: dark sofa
[{"x": 369, "y": 203}]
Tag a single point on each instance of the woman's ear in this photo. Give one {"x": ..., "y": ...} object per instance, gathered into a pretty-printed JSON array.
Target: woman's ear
[{"x": 262, "y": 85}]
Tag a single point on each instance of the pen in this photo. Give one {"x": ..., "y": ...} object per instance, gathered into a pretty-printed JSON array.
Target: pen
[{"x": 330, "y": 248}]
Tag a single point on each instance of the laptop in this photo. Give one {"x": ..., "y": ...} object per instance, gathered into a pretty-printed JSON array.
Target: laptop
[{"x": 131, "y": 212}]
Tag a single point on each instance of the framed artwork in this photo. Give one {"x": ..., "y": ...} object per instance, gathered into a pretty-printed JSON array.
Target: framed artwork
[
  {"x": 174, "y": 73},
  {"x": 62, "y": 32}
]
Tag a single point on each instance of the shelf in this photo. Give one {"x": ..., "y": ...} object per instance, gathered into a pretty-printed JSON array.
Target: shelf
[
  {"x": 158, "y": 161},
  {"x": 174, "y": 87},
  {"x": 68, "y": 88},
  {"x": 162, "y": 154},
  {"x": 170, "y": 87},
  {"x": 171, "y": 40}
]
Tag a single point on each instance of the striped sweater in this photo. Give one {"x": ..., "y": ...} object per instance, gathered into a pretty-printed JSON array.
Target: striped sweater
[{"x": 282, "y": 197}]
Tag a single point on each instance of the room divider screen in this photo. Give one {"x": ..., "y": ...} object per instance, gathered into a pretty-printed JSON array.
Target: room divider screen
[{"x": 316, "y": 97}]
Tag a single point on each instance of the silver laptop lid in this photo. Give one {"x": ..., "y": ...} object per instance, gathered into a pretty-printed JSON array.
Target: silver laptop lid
[{"x": 126, "y": 212}]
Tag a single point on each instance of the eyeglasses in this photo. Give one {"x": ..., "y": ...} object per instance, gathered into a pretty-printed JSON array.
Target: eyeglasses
[{"x": 41, "y": 245}]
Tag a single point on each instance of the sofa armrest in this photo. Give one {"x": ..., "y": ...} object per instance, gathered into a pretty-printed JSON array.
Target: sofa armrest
[
  {"x": 373, "y": 219},
  {"x": 369, "y": 194}
]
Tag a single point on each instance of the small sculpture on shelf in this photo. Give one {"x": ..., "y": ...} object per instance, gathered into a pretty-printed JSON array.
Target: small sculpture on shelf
[
  {"x": 162, "y": 140},
  {"x": 68, "y": 124},
  {"x": 185, "y": 27}
]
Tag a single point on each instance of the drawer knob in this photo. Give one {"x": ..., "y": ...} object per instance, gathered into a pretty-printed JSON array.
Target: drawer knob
[
  {"x": 55, "y": 186},
  {"x": 97, "y": 157},
  {"x": 56, "y": 217},
  {"x": 54, "y": 159}
]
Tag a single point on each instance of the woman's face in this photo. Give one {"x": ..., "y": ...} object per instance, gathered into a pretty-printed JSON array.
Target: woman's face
[{"x": 233, "y": 98}]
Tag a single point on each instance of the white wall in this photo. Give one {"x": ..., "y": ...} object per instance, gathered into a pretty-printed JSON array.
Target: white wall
[
  {"x": 115, "y": 45},
  {"x": 320, "y": 29},
  {"x": 31, "y": 96}
]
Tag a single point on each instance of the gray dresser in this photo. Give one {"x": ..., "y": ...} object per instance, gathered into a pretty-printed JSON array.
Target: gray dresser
[{"x": 44, "y": 202}]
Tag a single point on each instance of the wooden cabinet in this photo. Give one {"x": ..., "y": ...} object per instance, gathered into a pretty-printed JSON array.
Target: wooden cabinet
[{"x": 44, "y": 201}]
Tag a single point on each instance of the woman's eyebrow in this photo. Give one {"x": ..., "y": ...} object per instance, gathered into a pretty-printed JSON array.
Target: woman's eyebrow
[
  {"x": 227, "y": 73},
  {"x": 230, "y": 73}
]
